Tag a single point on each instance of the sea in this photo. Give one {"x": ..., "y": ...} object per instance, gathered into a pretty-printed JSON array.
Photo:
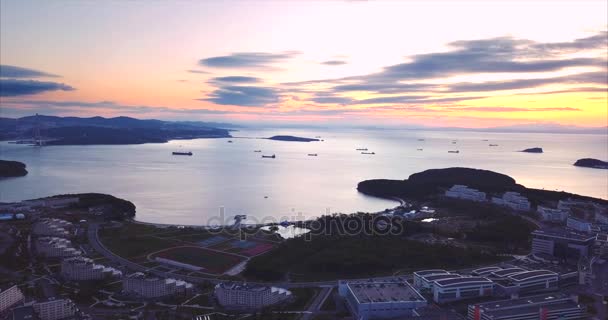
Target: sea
[{"x": 223, "y": 179}]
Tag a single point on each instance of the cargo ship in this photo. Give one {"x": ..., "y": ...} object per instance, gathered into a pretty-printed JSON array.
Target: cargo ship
[
  {"x": 180, "y": 153},
  {"x": 454, "y": 151},
  {"x": 271, "y": 157},
  {"x": 368, "y": 153}
]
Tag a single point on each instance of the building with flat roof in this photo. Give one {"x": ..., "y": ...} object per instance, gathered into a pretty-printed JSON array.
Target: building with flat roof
[
  {"x": 454, "y": 289},
  {"x": 245, "y": 296},
  {"x": 81, "y": 268},
  {"x": 54, "y": 247},
  {"x": 551, "y": 214},
  {"x": 459, "y": 191},
  {"x": 562, "y": 243},
  {"x": 426, "y": 282},
  {"x": 513, "y": 200},
  {"x": 504, "y": 273},
  {"x": 55, "y": 309},
  {"x": 485, "y": 271},
  {"x": 527, "y": 282},
  {"x": 147, "y": 286},
  {"x": 381, "y": 299},
  {"x": 10, "y": 297},
  {"x": 578, "y": 224},
  {"x": 53, "y": 228},
  {"x": 544, "y": 307},
  {"x": 419, "y": 275}
]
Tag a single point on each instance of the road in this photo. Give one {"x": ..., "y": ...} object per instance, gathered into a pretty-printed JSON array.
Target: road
[{"x": 316, "y": 304}]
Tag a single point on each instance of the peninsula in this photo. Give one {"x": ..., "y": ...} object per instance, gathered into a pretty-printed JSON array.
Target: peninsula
[{"x": 12, "y": 169}]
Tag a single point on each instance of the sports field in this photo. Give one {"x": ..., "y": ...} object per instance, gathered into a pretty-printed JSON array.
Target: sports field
[{"x": 211, "y": 261}]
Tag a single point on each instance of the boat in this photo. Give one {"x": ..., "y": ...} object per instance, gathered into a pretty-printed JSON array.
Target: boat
[
  {"x": 257, "y": 150},
  {"x": 271, "y": 157},
  {"x": 368, "y": 153},
  {"x": 420, "y": 139},
  {"x": 312, "y": 154},
  {"x": 454, "y": 151},
  {"x": 493, "y": 145},
  {"x": 229, "y": 141},
  {"x": 419, "y": 149},
  {"x": 181, "y": 153},
  {"x": 265, "y": 197},
  {"x": 361, "y": 149}
]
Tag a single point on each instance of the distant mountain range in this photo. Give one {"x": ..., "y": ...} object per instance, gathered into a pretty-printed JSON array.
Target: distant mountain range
[{"x": 99, "y": 130}]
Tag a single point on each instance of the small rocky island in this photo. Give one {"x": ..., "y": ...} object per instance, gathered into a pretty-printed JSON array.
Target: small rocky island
[
  {"x": 292, "y": 138},
  {"x": 533, "y": 150},
  {"x": 12, "y": 169},
  {"x": 591, "y": 163}
]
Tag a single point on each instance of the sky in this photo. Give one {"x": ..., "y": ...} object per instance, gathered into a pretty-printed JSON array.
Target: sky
[{"x": 412, "y": 63}]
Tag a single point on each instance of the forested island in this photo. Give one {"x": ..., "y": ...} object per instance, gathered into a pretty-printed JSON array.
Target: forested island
[
  {"x": 12, "y": 169},
  {"x": 292, "y": 138},
  {"x": 533, "y": 150},
  {"x": 591, "y": 163},
  {"x": 98, "y": 130}
]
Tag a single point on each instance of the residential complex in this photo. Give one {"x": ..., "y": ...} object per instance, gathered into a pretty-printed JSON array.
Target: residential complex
[
  {"x": 386, "y": 299},
  {"x": 55, "y": 309},
  {"x": 81, "y": 268},
  {"x": 463, "y": 192},
  {"x": 513, "y": 200},
  {"x": 9, "y": 297},
  {"x": 52, "y": 227},
  {"x": 554, "y": 306},
  {"x": 551, "y": 214},
  {"x": 233, "y": 295},
  {"x": 146, "y": 286},
  {"x": 53, "y": 247},
  {"x": 562, "y": 244},
  {"x": 578, "y": 224}
]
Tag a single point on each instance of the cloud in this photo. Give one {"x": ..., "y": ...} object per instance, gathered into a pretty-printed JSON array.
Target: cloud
[
  {"x": 513, "y": 109},
  {"x": 333, "y": 62},
  {"x": 247, "y": 59},
  {"x": 198, "y": 71},
  {"x": 14, "y": 87},
  {"x": 250, "y": 96},
  {"x": 7, "y": 71},
  {"x": 236, "y": 79}
]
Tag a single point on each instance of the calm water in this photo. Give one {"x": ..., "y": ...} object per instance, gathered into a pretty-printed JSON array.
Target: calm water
[{"x": 190, "y": 190}]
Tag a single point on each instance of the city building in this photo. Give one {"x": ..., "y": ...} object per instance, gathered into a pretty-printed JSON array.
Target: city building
[
  {"x": 578, "y": 224},
  {"x": 424, "y": 280},
  {"x": 233, "y": 295},
  {"x": 9, "y": 297},
  {"x": 53, "y": 247},
  {"x": 52, "y": 227},
  {"x": 551, "y": 214},
  {"x": 55, "y": 309},
  {"x": 381, "y": 299},
  {"x": 147, "y": 286},
  {"x": 463, "y": 192},
  {"x": 419, "y": 275},
  {"x": 454, "y": 289},
  {"x": 23, "y": 313},
  {"x": 485, "y": 271},
  {"x": 544, "y": 307},
  {"x": 81, "y": 268},
  {"x": 504, "y": 273},
  {"x": 601, "y": 218},
  {"x": 562, "y": 244},
  {"x": 527, "y": 282},
  {"x": 513, "y": 200}
]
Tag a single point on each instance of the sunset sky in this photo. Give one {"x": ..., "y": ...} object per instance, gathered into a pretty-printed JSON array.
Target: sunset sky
[{"x": 432, "y": 63}]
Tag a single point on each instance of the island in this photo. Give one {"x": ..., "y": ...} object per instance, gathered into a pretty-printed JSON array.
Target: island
[
  {"x": 292, "y": 138},
  {"x": 533, "y": 150},
  {"x": 12, "y": 169},
  {"x": 591, "y": 163},
  {"x": 51, "y": 130}
]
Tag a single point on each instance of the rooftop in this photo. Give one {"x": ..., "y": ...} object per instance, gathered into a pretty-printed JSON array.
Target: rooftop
[
  {"x": 241, "y": 286},
  {"x": 430, "y": 271},
  {"x": 442, "y": 276},
  {"x": 507, "y": 272},
  {"x": 485, "y": 270},
  {"x": 565, "y": 234},
  {"x": 383, "y": 291},
  {"x": 462, "y": 281},
  {"x": 522, "y": 276},
  {"x": 557, "y": 301}
]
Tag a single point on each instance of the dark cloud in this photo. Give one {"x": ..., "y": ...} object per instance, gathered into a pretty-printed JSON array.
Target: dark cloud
[
  {"x": 243, "y": 96},
  {"x": 385, "y": 87},
  {"x": 7, "y": 71},
  {"x": 247, "y": 59},
  {"x": 236, "y": 79},
  {"x": 14, "y": 87},
  {"x": 333, "y": 62}
]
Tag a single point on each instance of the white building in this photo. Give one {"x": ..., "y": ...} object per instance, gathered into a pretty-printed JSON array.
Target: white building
[
  {"x": 10, "y": 297},
  {"x": 578, "y": 225},
  {"x": 232, "y": 295},
  {"x": 53, "y": 247},
  {"x": 528, "y": 282},
  {"x": 513, "y": 200},
  {"x": 463, "y": 192},
  {"x": 552, "y": 215},
  {"x": 381, "y": 299},
  {"x": 454, "y": 289},
  {"x": 424, "y": 279},
  {"x": 55, "y": 309},
  {"x": 52, "y": 227},
  {"x": 554, "y": 306},
  {"x": 81, "y": 268},
  {"x": 146, "y": 286}
]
